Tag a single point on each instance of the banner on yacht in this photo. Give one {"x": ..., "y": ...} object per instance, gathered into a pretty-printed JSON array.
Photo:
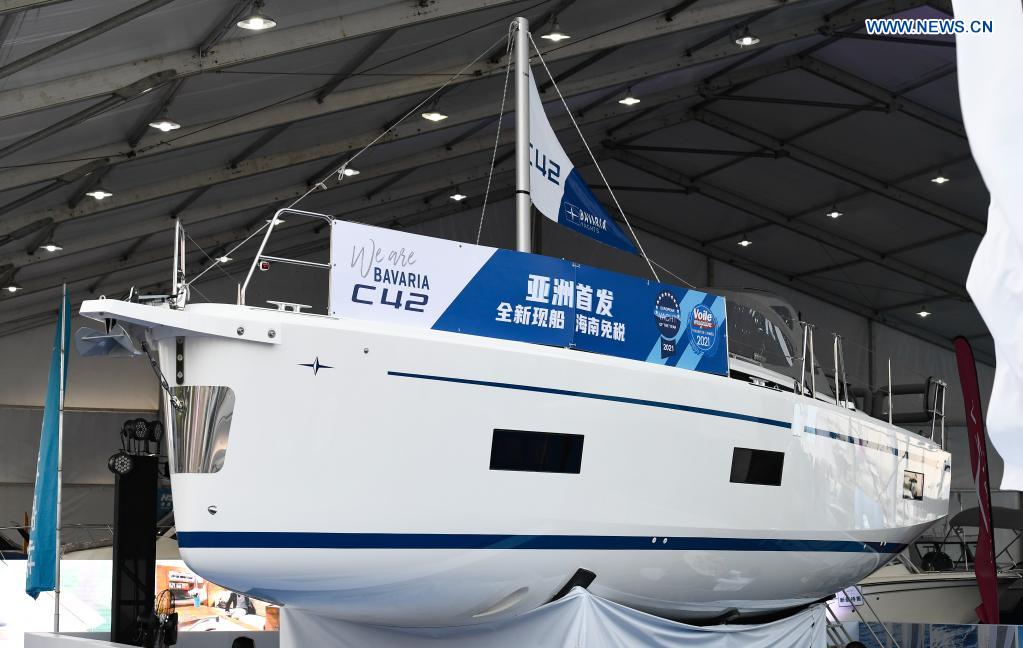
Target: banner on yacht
[
  {"x": 391, "y": 276},
  {"x": 556, "y": 188}
]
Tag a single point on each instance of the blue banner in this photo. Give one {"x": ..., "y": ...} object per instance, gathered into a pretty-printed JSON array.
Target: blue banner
[
  {"x": 41, "y": 574},
  {"x": 531, "y": 298}
]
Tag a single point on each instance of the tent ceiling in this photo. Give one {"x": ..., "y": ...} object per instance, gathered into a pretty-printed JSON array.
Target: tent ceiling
[{"x": 764, "y": 141}]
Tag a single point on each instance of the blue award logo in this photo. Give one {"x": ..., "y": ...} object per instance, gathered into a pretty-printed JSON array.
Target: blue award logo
[
  {"x": 669, "y": 321},
  {"x": 703, "y": 331}
]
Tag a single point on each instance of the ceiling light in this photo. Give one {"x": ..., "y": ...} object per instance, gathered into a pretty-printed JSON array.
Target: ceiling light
[
  {"x": 555, "y": 34},
  {"x": 940, "y": 179},
  {"x": 458, "y": 196},
  {"x": 224, "y": 259},
  {"x": 746, "y": 39},
  {"x": 12, "y": 288},
  {"x": 164, "y": 124},
  {"x": 99, "y": 194},
  {"x": 434, "y": 116},
  {"x": 52, "y": 247},
  {"x": 257, "y": 20},
  {"x": 350, "y": 172},
  {"x": 923, "y": 312},
  {"x": 834, "y": 213},
  {"x": 745, "y": 241},
  {"x": 629, "y": 100}
]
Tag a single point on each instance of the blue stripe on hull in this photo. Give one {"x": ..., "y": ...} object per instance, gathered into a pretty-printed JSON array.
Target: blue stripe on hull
[
  {"x": 650, "y": 403},
  {"x": 301, "y": 540},
  {"x": 605, "y": 397}
]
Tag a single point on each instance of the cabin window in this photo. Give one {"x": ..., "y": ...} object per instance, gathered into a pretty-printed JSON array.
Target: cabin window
[
  {"x": 536, "y": 451},
  {"x": 761, "y": 467}
]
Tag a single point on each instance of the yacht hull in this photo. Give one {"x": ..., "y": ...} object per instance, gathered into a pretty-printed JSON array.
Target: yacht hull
[{"x": 356, "y": 477}]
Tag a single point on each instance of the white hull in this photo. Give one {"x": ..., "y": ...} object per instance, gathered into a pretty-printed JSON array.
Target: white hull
[
  {"x": 933, "y": 597},
  {"x": 363, "y": 490}
]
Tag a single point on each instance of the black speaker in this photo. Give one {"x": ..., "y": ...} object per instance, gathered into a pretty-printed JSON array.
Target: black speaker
[{"x": 134, "y": 570}]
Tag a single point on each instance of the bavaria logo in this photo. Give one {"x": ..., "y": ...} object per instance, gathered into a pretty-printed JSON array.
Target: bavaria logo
[
  {"x": 585, "y": 219},
  {"x": 702, "y": 329}
]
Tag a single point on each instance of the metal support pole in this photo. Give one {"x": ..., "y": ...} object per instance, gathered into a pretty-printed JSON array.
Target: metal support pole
[
  {"x": 835, "y": 360},
  {"x": 523, "y": 204},
  {"x": 813, "y": 364},
  {"x": 891, "y": 399},
  {"x": 60, "y": 462}
]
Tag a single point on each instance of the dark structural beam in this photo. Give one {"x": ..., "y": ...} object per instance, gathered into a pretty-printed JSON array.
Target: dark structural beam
[
  {"x": 373, "y": 43},
  {"x": 264, "y": 139},
  {"x": 753, "y": 208},
  {"x": 124, "y": 94},
  {"x": 71, "y": 176},
  {"x": 85, "y": 35},
  {"x": 907, "y": 40},
  {"x": 225, "y": 24},
  {"x": 689, "y": 150},
  {"x": 670, "y": 14},
  {"x": 577, "y": 68}
]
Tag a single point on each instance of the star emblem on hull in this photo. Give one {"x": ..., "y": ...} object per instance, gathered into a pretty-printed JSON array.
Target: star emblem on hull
[{"x": 315, "y": 365}]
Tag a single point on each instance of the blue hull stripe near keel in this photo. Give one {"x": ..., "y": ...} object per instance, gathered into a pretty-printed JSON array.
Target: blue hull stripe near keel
[{"x": 300, "y": 540}]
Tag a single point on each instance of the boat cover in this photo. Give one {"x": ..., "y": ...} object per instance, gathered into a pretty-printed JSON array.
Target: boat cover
[{"x": 578, "y": 619}]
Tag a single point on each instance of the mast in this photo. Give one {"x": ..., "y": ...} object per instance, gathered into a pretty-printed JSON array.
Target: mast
[{"x": 523, "y": 204}]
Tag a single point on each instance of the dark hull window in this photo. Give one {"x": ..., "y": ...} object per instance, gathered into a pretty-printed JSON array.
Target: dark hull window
[
  {"x": 536, "y": 451},
  {"x": 761, "y": 467}
]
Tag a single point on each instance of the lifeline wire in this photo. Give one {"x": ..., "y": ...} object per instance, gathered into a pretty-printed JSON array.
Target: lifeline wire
[
  {"x": 497, "y": 138},
  {"x": 571, "y": 116}
]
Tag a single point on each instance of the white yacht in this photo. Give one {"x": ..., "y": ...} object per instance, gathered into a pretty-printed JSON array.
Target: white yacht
[{"x": 434, "y": 451}]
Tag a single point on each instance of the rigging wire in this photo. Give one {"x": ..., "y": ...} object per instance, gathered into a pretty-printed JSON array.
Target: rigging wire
[
  {"x": 341, "y": 169},
  {"x": 571, "y": 116},
  {"x": 497, "y": 138}
]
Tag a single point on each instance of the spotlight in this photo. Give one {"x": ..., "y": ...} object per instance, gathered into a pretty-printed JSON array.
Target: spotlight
[
  {"x": 555, "y": 34},
  {"x": 834, "y": 213},
  {"x": 458, "y": 196},
  {"x": 629, "y": 100},
  {"x": 155, "y": 429},
  {"x": 12, "y": 288},
  {"x": 745, "y": 241},
  {"x": 139, "y": 429},
  {"x": 224, "y": 259},
  {"x": 121, "y": 463},
  {"x": 351, "y": 172},
  {"x": 52, "y": 247},
  {"x": 746, "y": 39},
  {"x": 99, "y": 193},
  {"x": 940, "y": 179},
  {"x": 434, "y": 115},
  {"x": 923, "y": 312},
  {"x": 164, "y": 124},
  {"x": 257, "y": 20}
]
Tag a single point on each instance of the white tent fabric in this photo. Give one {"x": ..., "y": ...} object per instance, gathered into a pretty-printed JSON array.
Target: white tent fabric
[
  {"x": 578, "y": 619},
  {"x": 991, "y": 94}
]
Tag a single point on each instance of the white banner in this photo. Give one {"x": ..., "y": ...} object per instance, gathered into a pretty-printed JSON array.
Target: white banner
[{"x": 391, "y": 276}]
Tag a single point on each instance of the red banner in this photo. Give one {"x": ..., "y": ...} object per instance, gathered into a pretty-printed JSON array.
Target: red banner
[{"x": 984, "y": 561}]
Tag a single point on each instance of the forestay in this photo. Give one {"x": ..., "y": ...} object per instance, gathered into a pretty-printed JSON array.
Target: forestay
[{"x": 384, "y": 275}]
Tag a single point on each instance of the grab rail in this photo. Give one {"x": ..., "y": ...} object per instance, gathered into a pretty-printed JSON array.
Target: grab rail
[{"x": 264, "y": 257}]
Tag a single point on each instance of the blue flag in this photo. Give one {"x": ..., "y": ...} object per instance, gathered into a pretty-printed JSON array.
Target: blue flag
[
  {"x": 41, "y": 575},
  {"x": 556, "y": 188}
]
